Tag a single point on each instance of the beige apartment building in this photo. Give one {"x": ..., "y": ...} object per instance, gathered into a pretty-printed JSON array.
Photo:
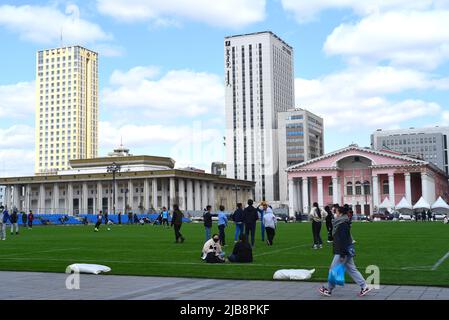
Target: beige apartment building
[{"x": 66, "y": 107}]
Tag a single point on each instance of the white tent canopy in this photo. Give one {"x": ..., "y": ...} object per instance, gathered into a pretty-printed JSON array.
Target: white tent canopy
[
  {"x": 440, "y": 206},
  {"x": 386, "y": 204},
  {"x": 404, "y": 206},
  {"x": 421, "y": 204}
]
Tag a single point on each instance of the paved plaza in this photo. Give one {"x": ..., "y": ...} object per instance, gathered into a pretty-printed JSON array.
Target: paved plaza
[{"x": 37, "y": 285}]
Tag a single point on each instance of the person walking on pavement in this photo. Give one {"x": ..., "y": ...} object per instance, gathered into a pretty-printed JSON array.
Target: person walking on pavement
[
  {"x": 237, "y": 217},
  {"x": 344, "y": 252},
  {"x": 250, "y": 216},
  {"x": 176, "y": 222}
]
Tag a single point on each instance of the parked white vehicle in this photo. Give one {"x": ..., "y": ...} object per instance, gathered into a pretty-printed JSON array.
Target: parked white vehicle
[{"x": 404, "y": 216}]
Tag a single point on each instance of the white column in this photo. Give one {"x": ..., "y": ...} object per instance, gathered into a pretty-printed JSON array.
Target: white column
[
  {"x": 154, "y": 191},
  {"x": 391, "y": 189},
  {"x": 335, "y": 188},
  {"x": 408, "y": 187},
  {"x": 84, "y": 197},
  {"x": 172, "y": 193},
  {"x": 204, "y": 196},
  {"x": 424, "y": 187},
  {"x": 15, "y": 196},
  {"x": 41, "y": 201},
  {"x": 27, "y": 204},
  {"x": 99, "y": 205},
  {"x": 305, "y": 195},
  {"x": 8, "y": 197},
  {"x": 320, "y": 192},
  {"x": 116, "y": 198},
  {"x": 182, "y": 194},
  {"x": 69, "y": 198},
  {"x": 375, "y": 193},
  {"x": 197, "y": 195},
  {"x": 146, "y": 194},
  {"x": 291, "y": 197},
  {"x": 131, "y": 196},
  {"x": 212, "y": 195},
  {"x": 298, "y": 194},
  {"x": 190, "y": 195},
  {"x": 164, "y": 186},
  {"x": 55, "y": 197}
]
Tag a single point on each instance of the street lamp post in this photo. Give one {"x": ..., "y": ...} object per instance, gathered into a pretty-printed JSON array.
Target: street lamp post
[{"x": 113, "y": 168}]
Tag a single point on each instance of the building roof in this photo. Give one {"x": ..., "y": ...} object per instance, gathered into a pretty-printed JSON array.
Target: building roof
[
  {"x": 260, "y": 32},
  {"x": 355, "y": 147},
  {"x": 122, "y": 160}
]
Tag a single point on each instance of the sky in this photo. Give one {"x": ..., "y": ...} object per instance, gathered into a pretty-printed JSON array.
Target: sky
[{"x": 361, "y": 65}]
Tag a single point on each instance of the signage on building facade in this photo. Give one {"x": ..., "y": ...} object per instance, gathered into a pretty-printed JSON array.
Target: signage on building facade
[{"x": 228, "y": 62}]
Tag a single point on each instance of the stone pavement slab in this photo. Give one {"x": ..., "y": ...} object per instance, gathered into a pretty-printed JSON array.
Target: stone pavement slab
[{"x": 52, "y": 286}]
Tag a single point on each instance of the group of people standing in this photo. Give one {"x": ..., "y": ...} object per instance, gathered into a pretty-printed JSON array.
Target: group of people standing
[
  {"x": 245, "y": 222},
  {"x": 13, "y": 219}
]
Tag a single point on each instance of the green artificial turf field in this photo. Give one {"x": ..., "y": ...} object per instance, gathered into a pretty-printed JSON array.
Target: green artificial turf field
[{"x": 406, "y": 252}]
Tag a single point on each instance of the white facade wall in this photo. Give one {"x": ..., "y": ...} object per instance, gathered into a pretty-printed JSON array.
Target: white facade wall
[{"x": 259, "y": 82}]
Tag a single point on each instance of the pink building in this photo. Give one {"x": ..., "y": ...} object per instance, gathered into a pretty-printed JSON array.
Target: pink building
[{"x": 364, "y": 178}]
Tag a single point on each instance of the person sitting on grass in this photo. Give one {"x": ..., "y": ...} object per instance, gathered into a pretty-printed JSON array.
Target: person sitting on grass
[
  {"x": 242, "y": 252},
  {"x": 344, "y": 253},
  {"x": 212, "y": 252}
]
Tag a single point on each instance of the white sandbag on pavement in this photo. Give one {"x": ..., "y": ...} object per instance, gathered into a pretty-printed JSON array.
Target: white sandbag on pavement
[
  {"x": 87, "y": 268},
  {"x": 293, "y": 274}
]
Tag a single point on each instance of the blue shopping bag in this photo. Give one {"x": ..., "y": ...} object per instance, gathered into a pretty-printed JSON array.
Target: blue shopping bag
[{"x": 337, "y": 275}]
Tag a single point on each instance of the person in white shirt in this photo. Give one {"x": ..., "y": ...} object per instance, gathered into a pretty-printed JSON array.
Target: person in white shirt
[
  {"x": 212, "y": 252},
  {"x": 317, "y": 216},
  {"x": 269, "y": 221}
]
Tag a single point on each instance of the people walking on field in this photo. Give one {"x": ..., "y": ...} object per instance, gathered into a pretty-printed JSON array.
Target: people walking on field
[
  {"x": 212, "y": 251},
  {"x": 222, "y": 224},
  {"x": 423, "y": 216},
  {"x": 242, "y": 252},
  {"x": 343, "y": 250},
  {"x": 24, "y": 219},
  {"x": 237, "y": 217},
  {"x": 30, "y": 220},
  {"x": 429, "y": 215},
  {"x": 250, "y": 217},
  {"x": 130, "y": 217},
  {"x": 4, "y": 217},
  {"x": 99, "y": 220},
  {"x": 329, "y": 217},
  {"x": 176, "y": 222},
  {"x": 13, "y": 219},
  {"x": 207, "y": 220},
  {"x": 262, "y": 225},
  {"x": 165, "y": 216},
  {"x": 317, "y": 217},
  {"x": 119, "y": 217},
  {"x": 269, "y": 221}
]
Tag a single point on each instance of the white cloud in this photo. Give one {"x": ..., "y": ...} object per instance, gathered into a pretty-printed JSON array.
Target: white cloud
[
  {"x": 43, "y": 24},
  {"x": 17, "y": 136},
  {"x": 17, "y": 100},
  {"x": 16, "y": 162},
  {"x": 180, "y": 92},
  {"x": 229, "y": 13},
  {"x": 358, "y": 97},
  {"x": 405, "y": 38},
  {"x": 306, "y": 10}
]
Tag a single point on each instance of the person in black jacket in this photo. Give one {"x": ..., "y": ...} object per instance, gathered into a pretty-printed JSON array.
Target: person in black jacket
[
  {"x": 242, "y": 251},
  {"x": 207, "y": 218},
  {"x": 250, "y": 216},
  {"x": 237, "y": 217},
  {"x": 328, "y": 219},
  {"x": 176, "y": 221},
  {"x": 13, "y": 218},
  {"x": 344, "y": 252}
]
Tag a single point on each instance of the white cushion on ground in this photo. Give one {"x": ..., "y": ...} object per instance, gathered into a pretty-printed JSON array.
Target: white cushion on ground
[
  {"x": 293, "y": 274},
  {"x": 87, "y": 268}
]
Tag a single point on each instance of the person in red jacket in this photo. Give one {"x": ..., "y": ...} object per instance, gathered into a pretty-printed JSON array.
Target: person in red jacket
[{"x": 30, "y": 220}]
